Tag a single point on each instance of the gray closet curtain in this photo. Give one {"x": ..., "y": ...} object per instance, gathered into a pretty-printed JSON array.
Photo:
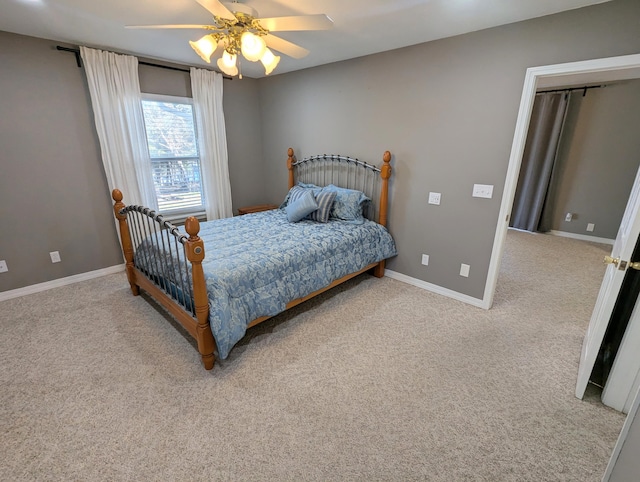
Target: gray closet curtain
[{"x": 538, "y": 161}]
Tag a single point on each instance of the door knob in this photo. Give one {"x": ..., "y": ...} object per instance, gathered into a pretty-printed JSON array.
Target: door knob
[
  {"x": 621, "y": 265},
  {"x": 610, "y": 260}
]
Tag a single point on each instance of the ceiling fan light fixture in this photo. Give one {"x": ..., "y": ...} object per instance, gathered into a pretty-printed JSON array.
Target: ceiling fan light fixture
[
  {"x": 253, "y": 46},
  {"x": 205, "y": 47},
  {"x": 227, "y": 63},
  {"x": 269, "y": 61},
  {"x": 239, "y": 32}
]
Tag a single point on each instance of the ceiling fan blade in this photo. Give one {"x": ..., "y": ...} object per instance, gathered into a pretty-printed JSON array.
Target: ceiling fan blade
[
  {"x": 166, "y": 26},
  {"x": 298, "y": 22},
  {"x": 286, "y": 47},
  {"x": 217, "y": 9}
]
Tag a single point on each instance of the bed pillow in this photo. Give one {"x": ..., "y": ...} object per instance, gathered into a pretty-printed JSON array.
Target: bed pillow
[
  {"x": 324, "y": 199},
  {"x": 348, "y": 204},
  {"x": 301, "y": 206},
  {"x": 297, "y": 191}
]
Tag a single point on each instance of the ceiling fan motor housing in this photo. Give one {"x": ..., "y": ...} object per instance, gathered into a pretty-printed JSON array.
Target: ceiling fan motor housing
[{"x": 235, "y": 7}]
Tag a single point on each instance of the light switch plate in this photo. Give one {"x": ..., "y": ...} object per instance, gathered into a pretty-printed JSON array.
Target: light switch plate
[
  {"x": 434, "y": 198},
  {"x": 425, "y": 259},
  {"x": 464, "y": 270},
  {"x": 483, "y": 190}
]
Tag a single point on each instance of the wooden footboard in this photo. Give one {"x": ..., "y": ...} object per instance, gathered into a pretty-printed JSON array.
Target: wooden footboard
[
  {"x": 193, "y": 311},
  {"x": 167, "y": 281}
]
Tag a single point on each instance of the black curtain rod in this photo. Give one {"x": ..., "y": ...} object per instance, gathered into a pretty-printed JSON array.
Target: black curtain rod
[
  {"x": 73, "y": 51},
  {"x": 571, "y": 89},
  {"x": 168, "y": 67}
]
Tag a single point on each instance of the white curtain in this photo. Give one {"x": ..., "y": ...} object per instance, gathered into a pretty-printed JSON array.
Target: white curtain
[
  {"x": 206, "y": 88},
  {"x": 115, "y": 96}
]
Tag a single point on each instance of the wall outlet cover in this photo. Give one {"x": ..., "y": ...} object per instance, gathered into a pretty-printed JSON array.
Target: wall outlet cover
[
  {"x": 3, "y": 266},
  {"x": 55, "y": 256},
  {"x": 483, "y": 190},
  {"x": 434, "y": 198},
  {"x": 425, "y": 259},
  {"x": 464, "y": 270},
  {"x": 590, "y": 227}
]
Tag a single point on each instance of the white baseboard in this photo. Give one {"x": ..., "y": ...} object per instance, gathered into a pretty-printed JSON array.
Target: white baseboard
[
  {"x": 583, "y": 237},
  {"x": 56, "y": 283},
  {"x": 435, "y": 289}
]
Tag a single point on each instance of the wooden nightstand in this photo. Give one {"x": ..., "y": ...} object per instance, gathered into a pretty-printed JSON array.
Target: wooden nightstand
[{"x": 256, "y": 209}]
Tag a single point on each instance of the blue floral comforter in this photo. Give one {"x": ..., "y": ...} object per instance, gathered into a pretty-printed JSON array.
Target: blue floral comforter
[{"x": 255, "y": 264}]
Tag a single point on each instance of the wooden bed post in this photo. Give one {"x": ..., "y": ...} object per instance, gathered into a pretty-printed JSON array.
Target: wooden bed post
[
  {"x": 125, "y": 239},
  {"x": 385, "y": 174},
  {"x": 290, "y": 162},
  {"x": 195, "y": 254}
]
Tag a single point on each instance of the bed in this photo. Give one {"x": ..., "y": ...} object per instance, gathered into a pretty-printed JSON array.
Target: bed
[{"x": 330, "y": 227}]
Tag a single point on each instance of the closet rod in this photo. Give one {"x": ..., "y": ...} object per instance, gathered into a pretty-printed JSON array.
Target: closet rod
[
  {"x": 168, "y": 67},
  {"x": 584, "y": 89}
]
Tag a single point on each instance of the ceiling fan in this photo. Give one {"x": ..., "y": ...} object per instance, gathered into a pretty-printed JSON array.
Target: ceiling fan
[{"x": 237, "y": 29}]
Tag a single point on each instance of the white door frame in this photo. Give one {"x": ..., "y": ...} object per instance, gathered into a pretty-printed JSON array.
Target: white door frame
[{"x": 548, "y": 76}]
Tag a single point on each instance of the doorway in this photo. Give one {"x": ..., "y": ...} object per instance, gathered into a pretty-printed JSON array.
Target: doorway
[
  {"x": 537, "y": 78},
  {"x": 565, "y": 75},
  {"x": 600, "y": 70}
]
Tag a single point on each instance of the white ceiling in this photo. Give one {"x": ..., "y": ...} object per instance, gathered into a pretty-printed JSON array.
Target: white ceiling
[{"x": 362, "y": 27}]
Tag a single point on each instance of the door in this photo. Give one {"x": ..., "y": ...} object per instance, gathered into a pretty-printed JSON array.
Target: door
[
  {"x": 617, "y": 265},
  {"x": 624, "y": 379}
]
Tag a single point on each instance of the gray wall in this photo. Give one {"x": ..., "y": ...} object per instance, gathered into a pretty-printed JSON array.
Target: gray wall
[
  {"x": 244, "y": 142},
  {"x": 598, "y": 159},
  {"x": 447, "y": 111},
  {"x": 53, "y": 191}
]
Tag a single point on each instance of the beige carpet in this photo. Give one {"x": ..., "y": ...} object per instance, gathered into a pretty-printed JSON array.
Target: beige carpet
[{"x": 375, "y": 380}]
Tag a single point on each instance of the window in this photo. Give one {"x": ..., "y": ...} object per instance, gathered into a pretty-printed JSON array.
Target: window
[{"x": 173, "y": 147}]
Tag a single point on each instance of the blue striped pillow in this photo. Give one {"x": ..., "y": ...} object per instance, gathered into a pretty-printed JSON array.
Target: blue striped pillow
[
  {"x": 324, "y": 199},
  {"x": 297, "y": 191}
]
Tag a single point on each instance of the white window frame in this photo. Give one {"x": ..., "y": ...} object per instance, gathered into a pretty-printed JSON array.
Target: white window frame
[{"x": 197, "y": 211}]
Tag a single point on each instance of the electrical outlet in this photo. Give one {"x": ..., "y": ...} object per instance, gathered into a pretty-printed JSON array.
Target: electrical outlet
[
  {"x": 590, "y": 227},
  {"x": 568, "y": 217},
  {"x": 425, "y": 259},
  {"x": 483, "y": 190},
  {"x": 3, "y": 266},
  {"x": 55, "y": 256},
  {"x": 434, "y": 198},
  {"x": 464, "y": 270}
]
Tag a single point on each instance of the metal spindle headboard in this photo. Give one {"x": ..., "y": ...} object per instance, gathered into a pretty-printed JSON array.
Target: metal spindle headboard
[{"x": 343, "y": 171}]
